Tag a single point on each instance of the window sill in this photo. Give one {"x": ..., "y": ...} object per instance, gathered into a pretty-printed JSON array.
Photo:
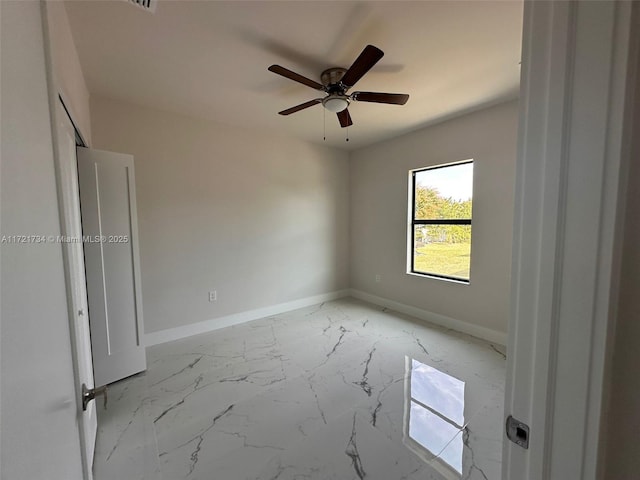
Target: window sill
[{"x": 434, "y": 277}]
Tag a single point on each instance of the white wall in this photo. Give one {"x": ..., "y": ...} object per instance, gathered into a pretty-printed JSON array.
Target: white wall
[
  {"x": 379, "y": 199},
  {"x": 259, "y": 218},
  {"x": 67, "y": 72},
  {"x": 38, "y": 409}
]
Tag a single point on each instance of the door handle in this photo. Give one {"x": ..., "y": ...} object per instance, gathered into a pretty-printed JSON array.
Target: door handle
[{"x": 89, "y": 394}]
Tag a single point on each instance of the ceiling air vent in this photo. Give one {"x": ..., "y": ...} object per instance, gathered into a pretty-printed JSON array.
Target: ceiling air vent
[{"x": 148, "y": 5}]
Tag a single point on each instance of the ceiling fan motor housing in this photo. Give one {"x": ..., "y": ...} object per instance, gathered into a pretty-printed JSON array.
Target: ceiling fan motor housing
[{"x": 331, "y": 79}]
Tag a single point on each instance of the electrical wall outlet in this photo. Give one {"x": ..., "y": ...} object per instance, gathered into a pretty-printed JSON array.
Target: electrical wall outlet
[
  {"x": 378, "y": 278},
  {"x": 213, "y": 296}
]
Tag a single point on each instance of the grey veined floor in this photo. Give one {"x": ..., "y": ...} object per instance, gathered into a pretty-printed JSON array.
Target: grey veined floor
[{"x": 343, "y": 390}]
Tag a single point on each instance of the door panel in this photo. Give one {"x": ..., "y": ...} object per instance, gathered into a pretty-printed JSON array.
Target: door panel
[
  {"x": 76, "y": 281},
  {"x": 113, "y": 190},
  {"x": 109, "y": 223}
]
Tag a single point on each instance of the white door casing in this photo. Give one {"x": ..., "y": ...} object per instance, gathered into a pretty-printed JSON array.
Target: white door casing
[
  {"x": 71, "y": 230},
  {"x": 109, "y": 224},
  {"x": 571, "y": 153}
]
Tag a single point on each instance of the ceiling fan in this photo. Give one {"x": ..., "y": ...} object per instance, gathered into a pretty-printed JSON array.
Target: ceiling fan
[{"x": 337, "y": 81}]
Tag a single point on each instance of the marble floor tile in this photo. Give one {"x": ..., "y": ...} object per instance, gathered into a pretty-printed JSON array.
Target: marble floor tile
[
  {"x": 126, "y": 447},
  {"x": 347, "y": 449},
  {"x": 343, "y": 390}
]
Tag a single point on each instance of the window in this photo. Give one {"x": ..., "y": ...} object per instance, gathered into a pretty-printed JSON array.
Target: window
[{"x": 441, "y": 221}]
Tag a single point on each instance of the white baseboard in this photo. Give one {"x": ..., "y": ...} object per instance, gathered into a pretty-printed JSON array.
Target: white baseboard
[
  {"x": 484, "y": 333},
  {"x": 171, "y": 334}
]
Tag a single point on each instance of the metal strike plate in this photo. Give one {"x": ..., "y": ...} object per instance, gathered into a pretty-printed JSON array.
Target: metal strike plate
[
  {"x": 89, "y": 394},
  {"x": 518, "y": 432}
]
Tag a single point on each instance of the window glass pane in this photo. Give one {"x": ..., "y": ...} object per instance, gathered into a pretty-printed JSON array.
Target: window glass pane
[
  {"x": 442, "y": 250},
  {"x": 444, "y": 193}
]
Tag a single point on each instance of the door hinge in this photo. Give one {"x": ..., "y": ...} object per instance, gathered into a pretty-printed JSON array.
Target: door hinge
[{"x": 518, "y": 432}]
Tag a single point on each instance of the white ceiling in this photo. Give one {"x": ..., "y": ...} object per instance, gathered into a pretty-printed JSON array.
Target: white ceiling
[{"x": 209, "y": 59}]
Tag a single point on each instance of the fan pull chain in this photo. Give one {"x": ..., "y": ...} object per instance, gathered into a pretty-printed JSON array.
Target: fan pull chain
[
  {"x": 347, "y": 135},
  {"x": 324, "y": 124}
]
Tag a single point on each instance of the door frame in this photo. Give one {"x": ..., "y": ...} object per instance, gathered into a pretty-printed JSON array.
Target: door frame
[
  {"x": 72, "y": 278},
  {"x": 577, "y": 75},
  {"x": 55, "y": 98}
]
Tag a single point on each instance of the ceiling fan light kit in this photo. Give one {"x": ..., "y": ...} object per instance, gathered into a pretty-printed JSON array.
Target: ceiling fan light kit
[
  {"x": 335, "y": 103},
  {"x": 337, "y": 81}
]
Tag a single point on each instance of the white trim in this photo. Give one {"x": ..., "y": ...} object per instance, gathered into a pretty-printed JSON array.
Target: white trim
[
  {"x": 171, "y": 334},
  {"x": 442, "y": 279},
  {"x": 484, "y": 333},
  {"x": 574, "y": 81},
  {"x": 540, "y": 151},
  {"x": 177, "y": 333}
]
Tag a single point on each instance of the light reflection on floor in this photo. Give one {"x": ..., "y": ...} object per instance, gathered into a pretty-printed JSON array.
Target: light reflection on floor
[{"x": 434, "y": 410}]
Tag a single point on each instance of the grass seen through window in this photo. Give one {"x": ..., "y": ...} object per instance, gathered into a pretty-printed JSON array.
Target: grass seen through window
[{"x": 450, "y": 259}]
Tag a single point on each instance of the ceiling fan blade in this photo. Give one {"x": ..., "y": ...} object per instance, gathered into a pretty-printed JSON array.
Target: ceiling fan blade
[
  {"x": 376, "y": 97},
  {"x": 344, "y": 118},
  {"x": 295, "y": 77},
  {"x": 302, "y": 106},
  {"x": 367, "y": 59}
]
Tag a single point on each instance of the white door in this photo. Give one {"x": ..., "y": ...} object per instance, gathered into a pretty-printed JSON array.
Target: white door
[
  {"x": 109, "y": 225},
  {"x": 76, "y": 282}
]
